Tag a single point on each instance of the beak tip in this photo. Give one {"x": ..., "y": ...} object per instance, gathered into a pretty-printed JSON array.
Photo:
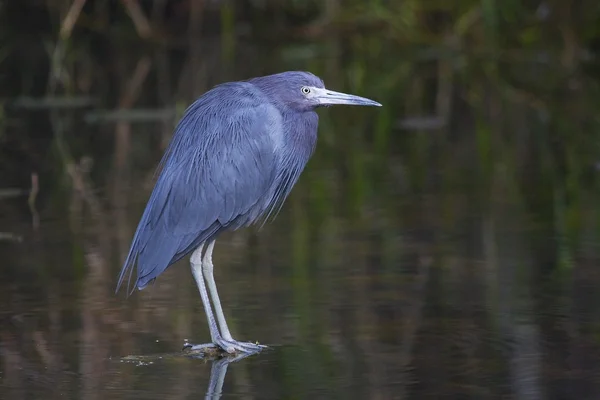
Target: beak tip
[
  {"x": 369, "y": 102},
  {"x": 327, "y": 97}
]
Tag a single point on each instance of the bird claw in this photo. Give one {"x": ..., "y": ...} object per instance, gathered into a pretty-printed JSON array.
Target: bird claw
[
  {"x": 233, "y": 346},
  {"x": 228, "y": 346}
]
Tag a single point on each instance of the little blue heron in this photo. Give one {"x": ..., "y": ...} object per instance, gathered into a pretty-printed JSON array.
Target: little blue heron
[{"x": 234, "y": 157}]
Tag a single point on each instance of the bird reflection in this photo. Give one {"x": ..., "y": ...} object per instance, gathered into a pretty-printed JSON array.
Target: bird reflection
[
  {"x": 217, "y": 375},
  {"x": 218, "y": 371}
]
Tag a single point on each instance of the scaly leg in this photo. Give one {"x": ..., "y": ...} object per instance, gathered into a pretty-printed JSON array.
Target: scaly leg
[
  {"x": 196, "y": 263},
  {"x": 203, "y": 269},
  {"x": 207, "y": 269}
]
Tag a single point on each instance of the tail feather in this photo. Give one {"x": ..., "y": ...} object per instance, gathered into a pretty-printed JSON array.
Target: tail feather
[
  {"x": 127, "y": 269},
  {"x": 156, "y": 257},
  {"x": 154, "y": 251}
]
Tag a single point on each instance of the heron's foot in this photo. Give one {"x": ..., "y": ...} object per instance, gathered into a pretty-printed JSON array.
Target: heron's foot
[
  {"x": 233, "y": 346},
  {"x": 229, "y": 346}
]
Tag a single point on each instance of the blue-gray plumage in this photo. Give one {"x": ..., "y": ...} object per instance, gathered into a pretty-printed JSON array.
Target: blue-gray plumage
[{"x": 233, "y": 159}]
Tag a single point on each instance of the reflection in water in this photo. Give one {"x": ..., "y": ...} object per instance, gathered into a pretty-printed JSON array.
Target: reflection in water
[
  {"x": 218, "y": 366},
  {"x": 217, "y": 377},
  {"x": 218, "y": 370}
]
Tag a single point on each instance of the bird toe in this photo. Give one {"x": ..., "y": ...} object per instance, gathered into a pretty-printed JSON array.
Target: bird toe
[{"x": 232, "y": 346}]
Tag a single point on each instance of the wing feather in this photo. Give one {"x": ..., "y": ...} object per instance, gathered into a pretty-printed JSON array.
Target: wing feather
[{"x": 215, "y": 174}]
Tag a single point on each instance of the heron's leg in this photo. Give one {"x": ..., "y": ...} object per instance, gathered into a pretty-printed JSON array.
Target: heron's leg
[
  {"x": 207, "y": 267},
  {"x": 230, "y": 346},
  {"x": 196, "y": 262}
]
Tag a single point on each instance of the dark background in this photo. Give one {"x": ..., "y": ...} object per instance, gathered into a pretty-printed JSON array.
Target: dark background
[{"x": 443, "y": 245}]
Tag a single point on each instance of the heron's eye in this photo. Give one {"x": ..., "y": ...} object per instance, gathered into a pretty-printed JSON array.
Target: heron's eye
[{"x": 305, "y": 90}]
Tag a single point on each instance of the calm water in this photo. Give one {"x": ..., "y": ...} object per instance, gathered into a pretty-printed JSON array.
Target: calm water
[
  {"x": 406, "y": 308},
  {"x": 443, "y": 246}
]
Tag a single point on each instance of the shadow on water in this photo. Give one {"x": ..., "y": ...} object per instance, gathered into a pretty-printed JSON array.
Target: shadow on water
[
  {"x": 218, "y": 366},
  {"x": 445, "y": 246}
]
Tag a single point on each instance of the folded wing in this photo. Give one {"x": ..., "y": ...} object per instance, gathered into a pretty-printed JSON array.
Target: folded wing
[{"x": 215, "y": 175}]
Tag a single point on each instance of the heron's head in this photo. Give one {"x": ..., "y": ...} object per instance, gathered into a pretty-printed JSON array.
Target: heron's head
[{"x": 303, "y": 91}]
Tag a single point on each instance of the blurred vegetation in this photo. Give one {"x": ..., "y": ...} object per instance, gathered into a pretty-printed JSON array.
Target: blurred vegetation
[{"x": 487, "y": 147}]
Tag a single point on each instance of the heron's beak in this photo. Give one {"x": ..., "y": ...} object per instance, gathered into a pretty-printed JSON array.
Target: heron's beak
[{"x": 327, "y": 97}]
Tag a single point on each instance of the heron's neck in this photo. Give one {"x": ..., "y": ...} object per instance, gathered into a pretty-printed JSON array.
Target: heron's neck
[{"x": 300, "y": 134}]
